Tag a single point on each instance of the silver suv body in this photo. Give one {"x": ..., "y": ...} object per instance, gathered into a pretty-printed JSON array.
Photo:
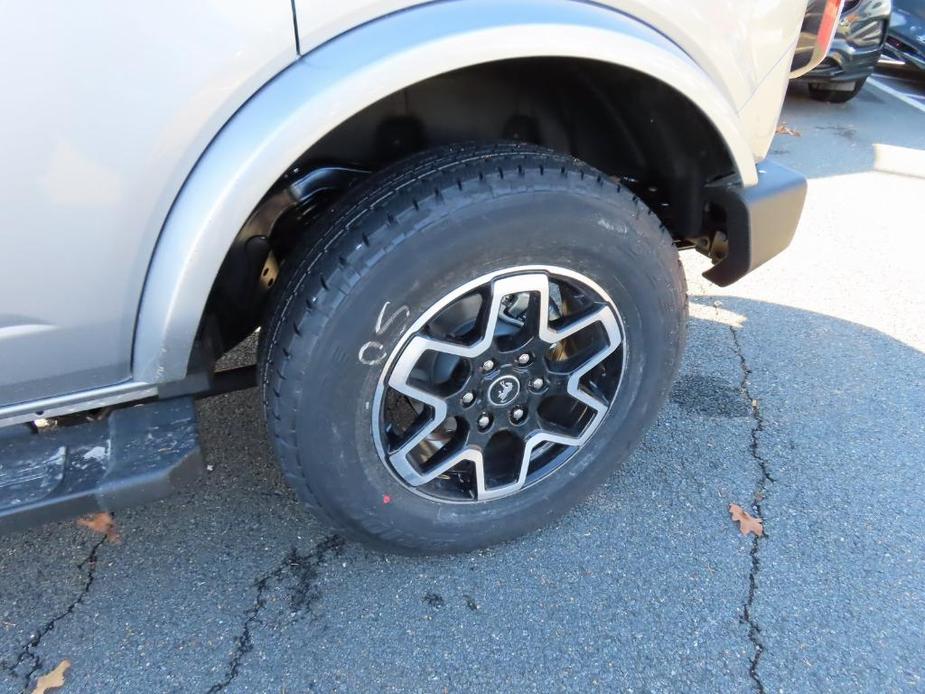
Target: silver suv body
[{"x": 136, "y": 143}]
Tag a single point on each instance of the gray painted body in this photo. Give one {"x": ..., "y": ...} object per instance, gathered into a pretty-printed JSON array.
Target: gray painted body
[
  {"x": 107, "y": 108},
  {"x": 136, "y": 143}
]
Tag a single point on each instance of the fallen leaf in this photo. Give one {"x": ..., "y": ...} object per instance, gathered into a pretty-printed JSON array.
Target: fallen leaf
[
  {"x": 53, "y": 679},
  {"x": 102, "y": 523},
  {"x": 747, "y": 523},
  {"x": 784, "y": 129}
]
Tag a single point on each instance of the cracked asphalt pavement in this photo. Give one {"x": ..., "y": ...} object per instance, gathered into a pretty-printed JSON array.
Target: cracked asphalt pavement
[{"x": 801, "y": 398}]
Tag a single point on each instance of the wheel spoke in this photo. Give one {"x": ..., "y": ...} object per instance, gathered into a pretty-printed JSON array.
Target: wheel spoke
[
  {"x": 603, "y": 315},
  {"x": 534, "y": 440},
  {"x": 574, "y": 382},
  {"x": 466, "y": 454}
]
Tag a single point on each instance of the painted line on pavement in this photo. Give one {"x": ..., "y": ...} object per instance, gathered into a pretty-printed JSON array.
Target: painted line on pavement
[{"x": 905, "y": 98}]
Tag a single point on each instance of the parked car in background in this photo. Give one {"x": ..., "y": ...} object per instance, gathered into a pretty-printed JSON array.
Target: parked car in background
[
  {"x": 855, "y": 51},
  {"x": 905, "y": 43}
]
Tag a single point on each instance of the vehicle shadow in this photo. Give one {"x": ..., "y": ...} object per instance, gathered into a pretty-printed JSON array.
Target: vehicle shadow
[{"x": 233, "y": 577}]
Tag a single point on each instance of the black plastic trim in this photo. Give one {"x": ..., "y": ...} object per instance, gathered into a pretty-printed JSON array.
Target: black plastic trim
[
  {"x": 760, "y": 220},
  {"x": 136, "y": 455}
]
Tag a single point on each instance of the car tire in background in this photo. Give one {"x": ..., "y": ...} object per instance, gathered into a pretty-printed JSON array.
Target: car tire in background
[
  {"x": 821, "y": 92},
  {"x": 469, "y": 343}
]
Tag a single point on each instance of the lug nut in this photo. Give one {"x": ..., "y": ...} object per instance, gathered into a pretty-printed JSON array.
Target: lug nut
[
  {"x": 523, "y": 359},
  {"x": 537, "y": 383},
  {"x": 517, "y": 414},
  {"x": 484, "y": 422},
  {"x": 468, "y": 398},
  {"x": 488, "y": 365}
]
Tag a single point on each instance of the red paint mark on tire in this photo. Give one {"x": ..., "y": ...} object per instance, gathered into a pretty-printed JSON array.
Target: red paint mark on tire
[{"x": 386, "y": 499}]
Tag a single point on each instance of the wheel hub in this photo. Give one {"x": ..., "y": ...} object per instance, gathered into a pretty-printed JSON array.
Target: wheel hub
[
  {"x": 499, "y": 384},
  {"x": 503, "y": 391}
]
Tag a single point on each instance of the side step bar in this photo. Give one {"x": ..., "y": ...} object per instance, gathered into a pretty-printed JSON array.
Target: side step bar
[{"x": 137, "y": 454}]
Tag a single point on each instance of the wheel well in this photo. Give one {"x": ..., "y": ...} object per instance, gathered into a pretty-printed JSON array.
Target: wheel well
[{"x": 620, "y": 121}]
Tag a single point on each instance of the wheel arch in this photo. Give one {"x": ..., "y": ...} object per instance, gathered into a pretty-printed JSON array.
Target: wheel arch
[{"x": 336, "y": 81}]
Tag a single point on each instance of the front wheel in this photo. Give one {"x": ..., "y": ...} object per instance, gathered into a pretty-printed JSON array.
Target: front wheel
[{"x": 476, "y": 338}]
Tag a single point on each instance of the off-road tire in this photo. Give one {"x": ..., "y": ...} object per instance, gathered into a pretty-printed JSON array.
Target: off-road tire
[{"x": 407, "y": 235}]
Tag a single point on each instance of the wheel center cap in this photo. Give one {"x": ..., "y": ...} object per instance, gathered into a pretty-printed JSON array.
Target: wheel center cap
[{"x": 503, "y": 390}]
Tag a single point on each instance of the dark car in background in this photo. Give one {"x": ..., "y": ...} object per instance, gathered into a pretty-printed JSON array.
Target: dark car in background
[
  {"x": 855, "y": 51},
  {"x": 905, "y": 43}
]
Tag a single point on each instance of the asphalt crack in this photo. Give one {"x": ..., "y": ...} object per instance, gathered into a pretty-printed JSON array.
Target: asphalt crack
[
  {"x": 28, "y": 654},
  {"x": 304, "y": 593},
  {"x": 764, "y": 479}
]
